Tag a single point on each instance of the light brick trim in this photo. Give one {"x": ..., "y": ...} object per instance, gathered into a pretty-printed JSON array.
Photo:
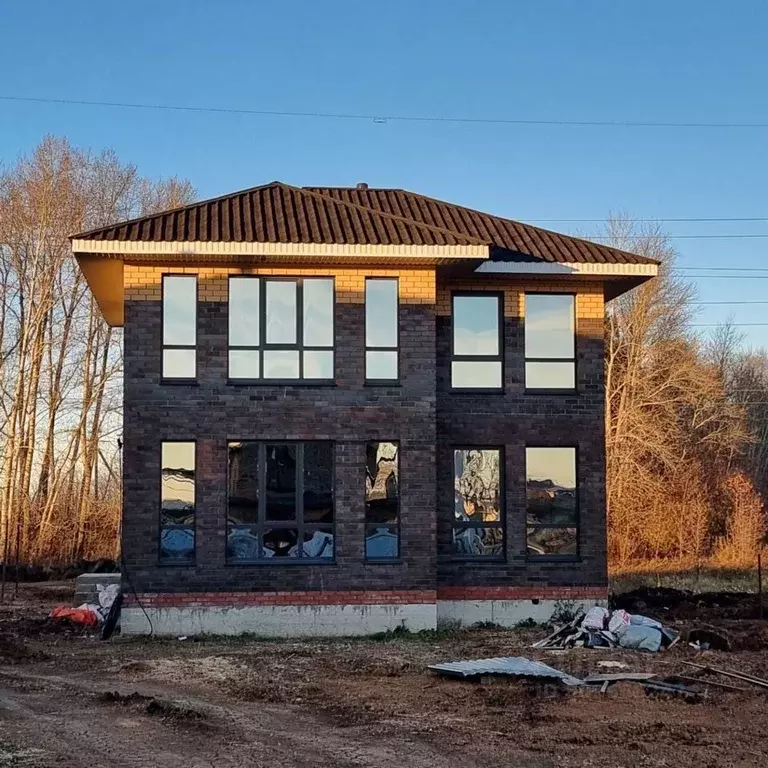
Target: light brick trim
[{"x": 222, "y": 599}]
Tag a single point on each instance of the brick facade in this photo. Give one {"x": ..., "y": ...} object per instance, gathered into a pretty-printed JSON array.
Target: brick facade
[{"x": 421, "y": 413}]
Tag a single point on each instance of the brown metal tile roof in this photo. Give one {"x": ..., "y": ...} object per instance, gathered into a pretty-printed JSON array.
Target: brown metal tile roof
[{"x": 280, "y": 213}]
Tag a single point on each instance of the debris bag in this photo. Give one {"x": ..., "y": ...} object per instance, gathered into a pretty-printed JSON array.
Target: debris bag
[
  {"x": 107, "y": 596},
  {"x": 596, "y": 618},
  {"x": 640, "y": 638},
  {"x": 643, "y": 621},
  {"x": 83, "y": 615},
  {"x": 620, "y": 620}
]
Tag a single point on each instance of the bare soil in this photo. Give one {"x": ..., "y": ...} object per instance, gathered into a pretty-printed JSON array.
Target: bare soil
[{"x": 69, "y": 699}]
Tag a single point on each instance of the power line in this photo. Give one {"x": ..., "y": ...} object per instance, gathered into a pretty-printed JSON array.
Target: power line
[
  {"x": 714, "y": 303},
  {"x": 736, "y": 236},
  {"x": 653, "y": 220},
  {"x": 384, "y": 118},
  {"x": 724, "y": 269},
  {"x": 736, "y": 325}
]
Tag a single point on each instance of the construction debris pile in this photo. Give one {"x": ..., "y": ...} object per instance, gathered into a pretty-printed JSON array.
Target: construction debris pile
[{"x": 601, "y": 628}]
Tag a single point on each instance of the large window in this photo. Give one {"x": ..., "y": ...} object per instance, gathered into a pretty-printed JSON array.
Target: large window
[
  {"x": 281, "y": 329},
  {"x": 478, "y": 497},
  {"x": 280, "y": 502},
  {"x": 476, "y": 358},
  {"x": 550, "y": 341},
  {"x": 177, "y": 503},
  {"x": 382, "y": 501},
  {"x": 552, "y": 509},
  {"x": 179, "y": 327},
  {"x": 381, "y": 329}
]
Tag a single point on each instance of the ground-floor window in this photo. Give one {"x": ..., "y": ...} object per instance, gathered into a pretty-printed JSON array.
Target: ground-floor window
[
  {"x": 177, "y": 503},
  {"x": 382, "y": 501},
  {"x": 552, "y": 508},
  {"x": 280, "y": 501},
  {"x": 478, "y": 529}
]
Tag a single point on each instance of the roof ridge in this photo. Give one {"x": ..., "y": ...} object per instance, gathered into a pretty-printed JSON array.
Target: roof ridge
[
  {"x": 430, "y": 227},
  {"x": 525, "y": 224},
  {"x": 177, "y": 209}
]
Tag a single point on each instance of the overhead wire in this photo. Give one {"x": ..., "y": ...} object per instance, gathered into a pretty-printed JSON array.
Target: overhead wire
[{"x": 384, "y": 117}]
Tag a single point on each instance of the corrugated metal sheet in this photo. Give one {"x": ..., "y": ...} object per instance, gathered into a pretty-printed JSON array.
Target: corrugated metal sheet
[
  {"x": 517, "y": 666},
  {"x": 280, "y": 213}
]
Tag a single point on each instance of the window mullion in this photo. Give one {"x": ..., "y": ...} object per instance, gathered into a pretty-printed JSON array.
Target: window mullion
[{"x": 300, "y": 325}]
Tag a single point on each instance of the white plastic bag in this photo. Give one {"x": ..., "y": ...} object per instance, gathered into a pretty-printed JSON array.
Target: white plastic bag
[
  {"x": 595, "y": 618},
  {"x": 619, "y": 622}
]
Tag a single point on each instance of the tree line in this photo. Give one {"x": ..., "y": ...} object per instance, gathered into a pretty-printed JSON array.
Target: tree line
[{"x": 686, "y": 416}]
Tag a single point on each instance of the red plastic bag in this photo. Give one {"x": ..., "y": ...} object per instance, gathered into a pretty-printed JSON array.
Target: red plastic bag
[{"x": 82, "y": 616}]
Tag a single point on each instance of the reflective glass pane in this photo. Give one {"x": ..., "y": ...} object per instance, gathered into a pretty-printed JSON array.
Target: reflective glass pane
[
  {"x": 179, "y": 309},
  {"x": 178, "y": 483},
  {"x": 550, "y": 376},
  {"x": 318, "y": 482},
  {"x": 280, "y": 543},
  {"x": 318, "y": 365},
  {"x": 281, "y": 364},
  {"x": 281, "y": 482},
  {"x": 549, "y": 325},
  {"x": 477, "y": 485},
  {"x": 478, "y": 542},
  {"x": 475, "y": 374},
  {"x": 243, "y": 483},
  {"x": 382, "y": 542},
  {"x": 552, "y": 541},
  {"x": 318, "y": 544},
  {"x": 318, "y": 313},
  {"x": 281, "y": 312},
  {"x": 243, "y": 543},
  {"x": 551, "y": 486},
  {"x": 244, "y": 311},
  {"x": 381, "y": 313},
  {"x": 381, "y": 366},
  {"x": 243, "y": 364},
  {"x": 382, "y": 483},
  {"x": 476, "y": 325},
  {"x": 177, "y": 544},
  {"x": 179, "y": 363}
]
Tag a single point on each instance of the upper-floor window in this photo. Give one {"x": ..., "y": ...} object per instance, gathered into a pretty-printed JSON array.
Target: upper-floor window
[
  {"x": 382, "y": 501},
  {"x": 478, "y": 528},
  {"x": 179, "y": 327},
  {"x": 552, "y": 508},
  {"x": 381, "y": 329},
  {"x": 281, "y": 329},
  {"x": 476, "y": 353},
  {"x": 550, "y": 341},
  {"x": 280, "y": 502},
  {"x": 177, "y": 503}
]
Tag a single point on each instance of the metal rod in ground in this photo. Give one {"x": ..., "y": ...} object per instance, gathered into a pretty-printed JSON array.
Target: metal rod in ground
[
  {"x": 760, "y": 581},
  {"x": 17, "y": 551}
]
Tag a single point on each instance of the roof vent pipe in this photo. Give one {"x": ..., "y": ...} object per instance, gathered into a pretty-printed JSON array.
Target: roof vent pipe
[{"x": 362, "y": 186}]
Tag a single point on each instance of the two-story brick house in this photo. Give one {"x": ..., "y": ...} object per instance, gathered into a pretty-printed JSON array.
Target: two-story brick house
[{"x": 348, "y": 410}]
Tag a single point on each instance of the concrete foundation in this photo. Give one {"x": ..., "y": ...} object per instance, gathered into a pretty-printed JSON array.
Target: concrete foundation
[
  {"x": 279, "y": 620},
  {"x": 505, "y": 613}
]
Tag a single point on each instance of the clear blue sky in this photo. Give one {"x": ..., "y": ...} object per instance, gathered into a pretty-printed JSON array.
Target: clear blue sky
[{"x": 657, "y": 60}]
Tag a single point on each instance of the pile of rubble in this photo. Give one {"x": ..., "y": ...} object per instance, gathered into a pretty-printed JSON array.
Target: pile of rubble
[{"x": 601, "y": 628}]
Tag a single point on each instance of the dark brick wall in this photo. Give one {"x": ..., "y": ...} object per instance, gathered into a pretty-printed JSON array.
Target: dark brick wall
[
  {"x": 213, "y": 412},
  {"x": 512, "y": 420},
  {"x": 421, "y": 413}
]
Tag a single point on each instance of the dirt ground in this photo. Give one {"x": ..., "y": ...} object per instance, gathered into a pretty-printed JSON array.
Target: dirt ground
[{"x": 69, "y": 699}]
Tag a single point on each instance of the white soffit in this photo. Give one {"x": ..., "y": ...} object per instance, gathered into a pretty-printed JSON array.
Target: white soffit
[
  {"x": 201, "y": 249},
  {"x": 569, "y": 268}
]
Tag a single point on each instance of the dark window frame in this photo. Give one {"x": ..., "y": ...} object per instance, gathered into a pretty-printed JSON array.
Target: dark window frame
[
  {"x": 163, "y": 346},
  {"x": 395, "y": 349},
  {"x": 573, "y": 360},
  {"x": 263, "y": 346},
  {"x": 160, "y": 561},
  {"x": 454, "y": 358},
  {"x": 398, "y": 557},
  {"x": 299, "y": 525},
  {"x": 577, "y": 525},
  {"x": 501, "y": 525}
]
